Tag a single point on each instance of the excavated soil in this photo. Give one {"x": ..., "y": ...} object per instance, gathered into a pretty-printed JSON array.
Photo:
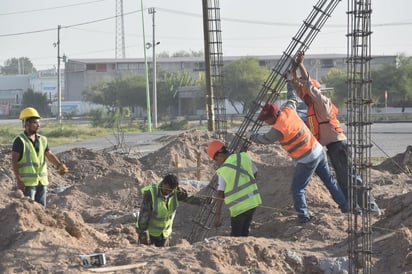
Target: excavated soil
[{"x": 92, "y": 209}]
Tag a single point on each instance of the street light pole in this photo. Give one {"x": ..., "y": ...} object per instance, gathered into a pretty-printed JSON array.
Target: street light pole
[
  {"x": 152, "y": 11},
  {"x": 149, "y": 122}
]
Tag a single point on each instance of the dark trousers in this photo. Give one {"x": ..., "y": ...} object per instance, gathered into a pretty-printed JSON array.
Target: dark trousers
[
  {"x": 241, "y": 223},
  {"x": 159, "y": 241}
]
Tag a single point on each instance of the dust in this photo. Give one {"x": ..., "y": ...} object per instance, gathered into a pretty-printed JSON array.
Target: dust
[{"x": 92, "y": 209}]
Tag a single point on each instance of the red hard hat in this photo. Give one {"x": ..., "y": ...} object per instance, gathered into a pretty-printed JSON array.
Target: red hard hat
[
  {"x": 213, "y": 147},
  {"x": 268, "y": 111}
]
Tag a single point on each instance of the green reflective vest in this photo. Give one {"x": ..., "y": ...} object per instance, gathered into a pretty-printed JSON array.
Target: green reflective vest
[
  {"x": 163, "y": 213},
  {"x": 33, "y": 166},
  {"x": 241, "y": 191}
]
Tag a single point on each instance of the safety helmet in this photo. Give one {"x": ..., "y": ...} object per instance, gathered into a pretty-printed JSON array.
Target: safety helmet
[
  {"x": 213, "y": 147},
  {"x": 269, "y": 110},
  {"x": 28, "y": 113},
  {"x": 314, "y": 82}
]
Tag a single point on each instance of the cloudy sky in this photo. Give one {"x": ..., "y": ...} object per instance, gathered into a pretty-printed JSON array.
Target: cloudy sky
[{"x": 261, "y": 27}]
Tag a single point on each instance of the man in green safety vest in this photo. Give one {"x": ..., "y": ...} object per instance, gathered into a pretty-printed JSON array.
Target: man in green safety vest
[
  {"x": 236, "y": 187},
  {"x": 158, "y": 209}
]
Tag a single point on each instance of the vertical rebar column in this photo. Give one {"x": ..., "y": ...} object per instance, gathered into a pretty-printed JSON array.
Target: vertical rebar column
[{"x": 359, "y": 133}]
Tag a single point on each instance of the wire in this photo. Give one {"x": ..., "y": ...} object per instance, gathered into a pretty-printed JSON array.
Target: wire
[
  {"x": 51, "y": 8},
  {"x": 69, "y": 26}
]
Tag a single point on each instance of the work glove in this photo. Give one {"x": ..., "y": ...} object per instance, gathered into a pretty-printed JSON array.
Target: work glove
[
  {"x": 144, "y": 238},
  {"x": 62, "y": 169}
]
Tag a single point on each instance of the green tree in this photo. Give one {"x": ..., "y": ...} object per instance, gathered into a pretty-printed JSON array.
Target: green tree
[
  {"x": 37, "y": 100},
  {"x": 167, "y": 84},
  {"x": 336, "y": 79},
  {"x": 21, "y": 65},
  {"x": 242, "y": 81},
  {"x": 126, "y": 91}
]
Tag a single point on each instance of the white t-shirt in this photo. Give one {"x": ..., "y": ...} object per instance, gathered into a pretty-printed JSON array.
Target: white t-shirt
[{"x": 221, "y": 182}]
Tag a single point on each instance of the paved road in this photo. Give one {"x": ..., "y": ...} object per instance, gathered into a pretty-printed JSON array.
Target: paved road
[
  {"x": 140, "y": 143},
  {"x": 388, "y": 139}
]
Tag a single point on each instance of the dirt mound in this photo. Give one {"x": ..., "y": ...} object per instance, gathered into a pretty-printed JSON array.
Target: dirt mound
[
  {"x": 92, "y": 209},
  {"x": 400, "y": 163}
]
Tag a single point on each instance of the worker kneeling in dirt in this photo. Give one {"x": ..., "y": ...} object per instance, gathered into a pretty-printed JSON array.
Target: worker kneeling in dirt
[{"x": 158, "y": 209}]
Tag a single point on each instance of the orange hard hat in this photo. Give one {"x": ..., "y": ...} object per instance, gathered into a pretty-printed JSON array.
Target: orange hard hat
[
  {"x": 314, "y": 82},
  {"x": 268, "y": 111},
  {"x": 213, "y": 147}
]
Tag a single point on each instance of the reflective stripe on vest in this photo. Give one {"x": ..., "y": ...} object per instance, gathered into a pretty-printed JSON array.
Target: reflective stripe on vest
[
  {"x": 162, "y": 215},
  {"x": 241, "y": 191},
  {"x": 32, "y": 165},
  {"x": 313, "y": 123},
  {"x": 297, "y": 139}
]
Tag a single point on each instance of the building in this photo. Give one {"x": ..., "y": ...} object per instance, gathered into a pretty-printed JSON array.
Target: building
[{"x": 83, "y": 74}]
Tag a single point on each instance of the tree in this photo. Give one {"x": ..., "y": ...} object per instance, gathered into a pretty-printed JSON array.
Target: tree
[
  {"x": 36, "y": 100},
  {"x": 126, "y": 91},
  {"x": 336, "y": 79},
  {"x": 167, "y": 85},
  {"x": 242, "y": 81},
  {"x": 21, "y": 65}
]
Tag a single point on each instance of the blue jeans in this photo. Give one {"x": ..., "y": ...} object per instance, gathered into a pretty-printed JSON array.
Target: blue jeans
[
  {"x": 37, "y": 193},
  {"x": 301, "y": 177}
]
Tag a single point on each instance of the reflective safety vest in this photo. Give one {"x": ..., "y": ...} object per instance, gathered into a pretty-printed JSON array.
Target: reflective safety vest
[
  {"x": 313, "y": 123},
  {"x": 163, "y": 213},
  {"x": 297, "y": 139},
  {"x": 241, "y": 191},
  {"x": 32, "y": 165}
]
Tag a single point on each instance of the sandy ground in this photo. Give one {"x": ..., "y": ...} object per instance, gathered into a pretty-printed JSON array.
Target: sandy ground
[{"x": 92, "y": 208}]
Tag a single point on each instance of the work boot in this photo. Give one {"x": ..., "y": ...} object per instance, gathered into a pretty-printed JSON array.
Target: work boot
[{"x": 375, "y": 209}]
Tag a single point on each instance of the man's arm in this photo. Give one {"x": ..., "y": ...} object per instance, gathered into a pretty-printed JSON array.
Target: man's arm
[
  {"x": 218, "y": 210},
  {"x": 15, "y": 156},
  {"x": 145, "y": 212}
]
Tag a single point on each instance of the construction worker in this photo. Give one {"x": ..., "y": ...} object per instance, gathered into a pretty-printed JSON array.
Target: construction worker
[
  {"x": 29, "y": 154},
  {"x": 321, "y": 118},
  {"x": 236, "y": 187},
  {"x": 158, "y": 209},
  {"x": 307, "y": 154}
]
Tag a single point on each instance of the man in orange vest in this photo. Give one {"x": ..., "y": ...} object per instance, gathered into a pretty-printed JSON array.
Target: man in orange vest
[
  {"x": 322, "y": 121},
  {"x": 307, "y": 154}
]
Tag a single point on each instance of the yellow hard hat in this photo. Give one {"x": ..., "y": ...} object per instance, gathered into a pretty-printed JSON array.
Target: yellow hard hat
[{"x": 28, "y": 113}]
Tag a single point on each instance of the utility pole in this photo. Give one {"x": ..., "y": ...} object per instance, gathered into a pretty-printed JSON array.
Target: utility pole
[
  {"x": 152, "y": 11},
  {"x": 149, "y": 122},
  {"x": 59, "y": 90}
]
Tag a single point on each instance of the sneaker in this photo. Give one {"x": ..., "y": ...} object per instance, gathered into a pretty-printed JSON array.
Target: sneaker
[
  {"x": 375, "y": 209},
  {"x": 303, "y": 219}
]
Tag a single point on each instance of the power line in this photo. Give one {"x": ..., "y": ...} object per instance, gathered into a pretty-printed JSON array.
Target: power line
[
  {"x": 51, "y": 8},
  {"x": 68, "y": 26}
]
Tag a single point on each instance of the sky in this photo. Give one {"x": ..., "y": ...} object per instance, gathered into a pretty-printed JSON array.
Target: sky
[{"x": 249, "y": 28}]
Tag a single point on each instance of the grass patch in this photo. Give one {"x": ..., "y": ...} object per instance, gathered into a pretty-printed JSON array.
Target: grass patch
[{"x": 56, "y": 134}]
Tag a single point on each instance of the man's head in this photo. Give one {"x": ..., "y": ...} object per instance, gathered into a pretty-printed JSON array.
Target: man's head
[
  {"x": 304, "y": 86},
  {"x": 217, "y": 151},
  {"x": 269, "y": 113},
  {"x": 30, "y": 119},
  {"x": 169, "y": 184}
]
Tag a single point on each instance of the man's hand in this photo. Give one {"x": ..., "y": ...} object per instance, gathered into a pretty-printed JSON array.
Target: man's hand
[
  {"x": 63, "y": 169},
  {"x": 300, "y": 58},
  {"x": 249, "y": 134},
  {"x": 144, "y": 238}
]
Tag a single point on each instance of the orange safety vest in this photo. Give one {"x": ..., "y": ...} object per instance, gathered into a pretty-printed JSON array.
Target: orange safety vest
[
  {"x": 313, "y": 123},
  {"x": 297, "y": 139}
]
